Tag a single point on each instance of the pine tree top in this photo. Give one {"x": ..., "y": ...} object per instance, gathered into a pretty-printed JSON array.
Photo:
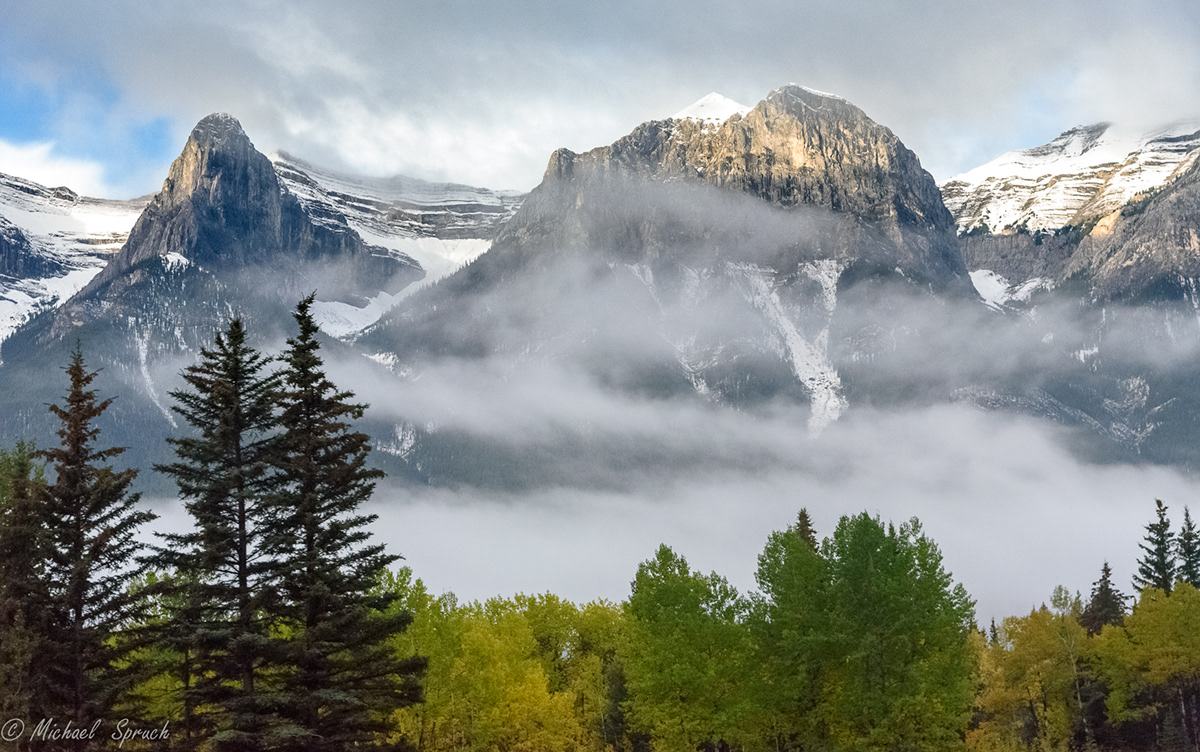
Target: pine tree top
[
  {"x": 804, "y": 528},
  {"x": 1156, "y": 568},
  {"x": 1188, "y": 548}
]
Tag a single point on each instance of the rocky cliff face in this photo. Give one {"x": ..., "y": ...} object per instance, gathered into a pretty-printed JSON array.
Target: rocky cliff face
[
  {"x": 222, "y": 207},
  {"x": 705, "y": 256},
  {"x": 796, "y": 148},
  {"x": 17, "y": 258},
  {"x": 1148, "y": 249}
]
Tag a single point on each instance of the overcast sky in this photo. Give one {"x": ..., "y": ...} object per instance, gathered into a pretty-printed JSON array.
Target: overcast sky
[{"x": 101, "y": 96}]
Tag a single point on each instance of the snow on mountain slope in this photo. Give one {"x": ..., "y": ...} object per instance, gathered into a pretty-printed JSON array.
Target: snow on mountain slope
[
  {"x": 441, "y": 225},
  {"x": 70, "y": 238},
  {"x": 397, "y": 206},
  {"x": 1085, "y": 173},
  {"x": 711, "y": 108}
]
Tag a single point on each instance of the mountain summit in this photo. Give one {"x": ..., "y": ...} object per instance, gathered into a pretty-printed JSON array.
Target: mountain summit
[
  {"x": 719, "y": 254},
  {"x": 712, "y": 108},
  {"x": 222, "y": 206}
]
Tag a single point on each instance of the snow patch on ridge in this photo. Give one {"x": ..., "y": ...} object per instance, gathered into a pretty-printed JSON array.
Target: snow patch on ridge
[{"x": 143, "y": 366}]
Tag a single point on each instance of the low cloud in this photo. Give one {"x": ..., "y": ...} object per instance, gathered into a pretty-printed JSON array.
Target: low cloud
[{"x": 39, "y": 163}]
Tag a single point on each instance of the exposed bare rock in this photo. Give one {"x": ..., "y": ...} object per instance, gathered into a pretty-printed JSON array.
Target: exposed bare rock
[
  {"x": 796, "y": 148},
  {"x": 1148, "y": 249}
]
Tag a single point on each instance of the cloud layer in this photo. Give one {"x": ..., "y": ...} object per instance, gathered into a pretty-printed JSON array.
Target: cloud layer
[{"x": 482, "y": 93}]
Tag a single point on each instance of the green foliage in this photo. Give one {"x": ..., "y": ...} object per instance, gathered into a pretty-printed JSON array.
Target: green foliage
[
  {"x": 792, "y": 633},
  {"x": 685, "y": 655},
  {"x": 903, "y": 680},
  {"x": 1106, "y": 606},
  {"x": 1156, "y": 568},
  {"x": 339, "y": 676},
  {"x": 223, "y": 576},
  {"x": 90, "y": 519},
  {"x": 24, "y": 590},
  {"x": 1188, "y": 548}
]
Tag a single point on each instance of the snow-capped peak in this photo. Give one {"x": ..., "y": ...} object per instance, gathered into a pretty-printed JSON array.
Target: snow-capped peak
[
  {"x": 712, "y": 108},
  {"x": 1085, "y": 173}
]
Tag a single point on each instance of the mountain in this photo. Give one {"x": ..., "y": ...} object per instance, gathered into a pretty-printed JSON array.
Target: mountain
[
  {"x": 225, "y": 236},
  {"x": 1086, "y": 173},
  {"x": 1104, "y": 267},
  {"x": 738, "y": 263},
  {"x": 52, "y": 242},
  {"x": 789, "y": 258}
]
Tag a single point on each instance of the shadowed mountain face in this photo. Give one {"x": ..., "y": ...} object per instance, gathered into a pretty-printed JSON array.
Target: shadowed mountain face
[
  {"x": 17, "y": 258},
  {"x": 222, "y": 210},
  {"x": 1150, "y": 248}
]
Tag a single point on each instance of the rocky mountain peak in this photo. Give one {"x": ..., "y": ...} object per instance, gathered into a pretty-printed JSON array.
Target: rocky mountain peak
[
  {"x": 796, "y": 148},
  {"x": 222, "y": 207},
  {"x": 1083, "y": 174},
  {"x": 218, "y": 128}
]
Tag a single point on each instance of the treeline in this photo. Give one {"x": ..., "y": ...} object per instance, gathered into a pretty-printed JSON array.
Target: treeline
[
  {"x": 859, "y": 642},
  {"x": 1098, "y": 675},
  {"x": 260, "y": 628},
  {"x": 274, "y": 622}
]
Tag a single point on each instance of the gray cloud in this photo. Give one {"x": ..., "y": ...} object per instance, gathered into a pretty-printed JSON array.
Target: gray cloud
[{"x": 482, "y": 92}]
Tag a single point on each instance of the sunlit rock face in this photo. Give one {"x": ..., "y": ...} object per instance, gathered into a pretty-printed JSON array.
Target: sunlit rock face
[{"x": 796, "y": 148}]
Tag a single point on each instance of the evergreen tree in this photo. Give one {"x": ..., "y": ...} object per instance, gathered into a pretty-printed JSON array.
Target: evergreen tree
[
  {"x": 343, "y": 679},
  {"x": 1157, "y": 567},
  {"x": 1107, "y": 605},
  {"x": 90, "y": 517},
  {"x": 804, "y": 528},
  {"x": 222, "y": 574},
  {"x": 1188, "y": 546},
  {"x": 24, "y": 594}
]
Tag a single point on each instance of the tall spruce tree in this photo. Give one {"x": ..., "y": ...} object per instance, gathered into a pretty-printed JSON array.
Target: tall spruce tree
[
  {"x": 24, "y": 593},
  {"x": 343, "y": 679},
  {"x": 1188, "y": 546},
  {"x": 804, "y": 528},
  {"x": 1156, "y": 568},
  {"x": 223, "y": 576},
  {"x": 1107, "y": 604},
  {"x": 90, "y": 518}
]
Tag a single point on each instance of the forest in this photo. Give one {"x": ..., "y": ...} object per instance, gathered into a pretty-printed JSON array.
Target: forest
[{"x": 275, "y": 623}]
